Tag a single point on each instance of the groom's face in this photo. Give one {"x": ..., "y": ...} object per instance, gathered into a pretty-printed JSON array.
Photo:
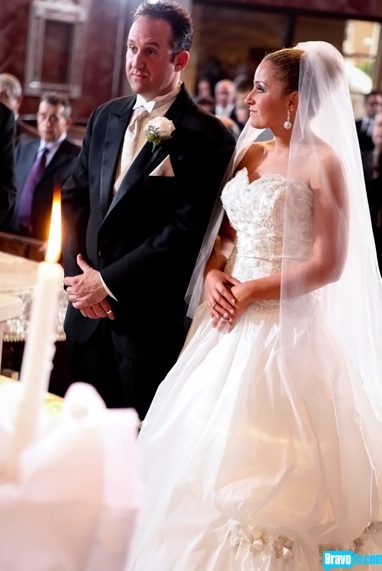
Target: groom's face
[{"x": 152, "y": 68}]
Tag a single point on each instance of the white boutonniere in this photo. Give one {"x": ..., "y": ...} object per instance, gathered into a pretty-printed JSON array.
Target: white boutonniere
[{"x": 158, "y": 130}]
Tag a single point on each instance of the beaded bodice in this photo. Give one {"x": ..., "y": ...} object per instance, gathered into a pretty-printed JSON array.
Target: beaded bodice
[{"x": 256, "y": 211}]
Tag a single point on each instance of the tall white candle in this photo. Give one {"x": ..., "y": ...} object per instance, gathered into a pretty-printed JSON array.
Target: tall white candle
[{"x": 40, "y": 344}]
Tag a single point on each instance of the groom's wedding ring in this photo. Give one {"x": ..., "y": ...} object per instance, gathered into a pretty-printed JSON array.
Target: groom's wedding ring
[{"x": 110, "y": 311}]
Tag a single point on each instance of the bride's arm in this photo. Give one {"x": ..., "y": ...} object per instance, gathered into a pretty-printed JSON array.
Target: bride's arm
[
  {"x": 218, "y": 284},
  {"x": 223, "y": 247}
]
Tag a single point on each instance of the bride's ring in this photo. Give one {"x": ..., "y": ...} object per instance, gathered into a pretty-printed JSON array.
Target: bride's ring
[
  {"x": 213, "y": 305},
  {"x": 225, "y": 317},
  {"x": 110, "y": 311}
]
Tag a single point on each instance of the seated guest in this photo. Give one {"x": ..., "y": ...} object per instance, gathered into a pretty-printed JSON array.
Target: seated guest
[
  {"x": 7, "y": 159},
  {"x": 41, "y": 166},
  {"x": 11, "y": 94}
]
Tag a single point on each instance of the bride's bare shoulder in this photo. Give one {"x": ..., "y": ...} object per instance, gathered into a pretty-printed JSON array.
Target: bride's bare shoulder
[{"x": 254, "y": 155}]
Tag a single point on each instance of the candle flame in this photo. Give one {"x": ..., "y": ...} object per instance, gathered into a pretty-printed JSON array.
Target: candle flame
[{"x": 54, "y": 242}]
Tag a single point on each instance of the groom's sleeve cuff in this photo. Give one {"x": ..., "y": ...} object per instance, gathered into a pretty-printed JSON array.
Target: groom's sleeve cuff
[{"x": 106, "y": 288}]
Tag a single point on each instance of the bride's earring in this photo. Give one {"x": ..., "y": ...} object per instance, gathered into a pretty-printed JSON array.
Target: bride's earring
[{"x": 288, "y": 124}]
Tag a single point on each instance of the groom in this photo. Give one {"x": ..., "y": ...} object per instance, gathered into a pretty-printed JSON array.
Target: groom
[{"x": 135, "y": 212}]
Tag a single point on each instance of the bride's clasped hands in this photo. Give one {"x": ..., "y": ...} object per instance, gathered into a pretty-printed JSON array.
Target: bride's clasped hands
[{"x": 227, "y": 298}]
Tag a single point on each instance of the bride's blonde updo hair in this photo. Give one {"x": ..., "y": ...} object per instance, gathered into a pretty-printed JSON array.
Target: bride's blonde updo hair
[{"x": 288, "y": 64}]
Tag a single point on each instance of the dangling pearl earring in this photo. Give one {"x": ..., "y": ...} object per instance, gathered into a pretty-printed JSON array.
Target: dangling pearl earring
[{"x": 288, "y": 124}]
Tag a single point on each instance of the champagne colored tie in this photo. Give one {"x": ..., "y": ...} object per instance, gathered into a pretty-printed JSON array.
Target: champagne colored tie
[
  {"x": 130, "y": 142},
  {"x": 34, "y": 176}
]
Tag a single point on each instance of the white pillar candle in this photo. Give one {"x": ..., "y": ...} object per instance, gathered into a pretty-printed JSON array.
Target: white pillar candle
[{"x": 40, "y": 344}]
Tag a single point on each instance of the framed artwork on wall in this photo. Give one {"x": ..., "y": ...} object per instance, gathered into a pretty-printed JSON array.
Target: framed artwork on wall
[{"x": 55, "y": 54}]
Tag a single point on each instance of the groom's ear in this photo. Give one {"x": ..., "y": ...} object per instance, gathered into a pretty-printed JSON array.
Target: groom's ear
[{"x": 181, "y": 59}]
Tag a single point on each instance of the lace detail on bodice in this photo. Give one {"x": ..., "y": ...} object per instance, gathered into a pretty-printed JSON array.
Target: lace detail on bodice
[{"x": 256, "y": 211}]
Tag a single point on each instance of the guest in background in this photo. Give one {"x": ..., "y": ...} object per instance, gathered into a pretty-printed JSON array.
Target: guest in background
[
  {"x": 243, "y": 85},
  {"x": 372, "y": 168},
  {"x": 231, "y": 125},
  {"x": 7, "y": 159},
  {"x": 242, "y": 114},
  {"x": 225, "y": 99},
  {"x": 11, "y": 94},
  {"x": 364, "y": 126},
  {"x": 41, "y": 166},
  {"x": 135, "y": 216},
  {"x": 207, "y": 102},
  {"x": 203, "y": 88}
]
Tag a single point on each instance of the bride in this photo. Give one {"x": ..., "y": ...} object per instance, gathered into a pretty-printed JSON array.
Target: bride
[{"x": 261, "y": 448}]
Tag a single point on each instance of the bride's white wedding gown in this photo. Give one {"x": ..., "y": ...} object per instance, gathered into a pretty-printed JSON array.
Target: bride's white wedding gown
[{"x": 249, "y": 463}]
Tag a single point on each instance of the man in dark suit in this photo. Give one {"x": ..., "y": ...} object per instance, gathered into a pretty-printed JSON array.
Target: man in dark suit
[
  {"x": 364, "y": 126},
  {"x": 7, "y": 161},
  {"x": 138, "y": 222},
  {"x": 53, "y": 120}
]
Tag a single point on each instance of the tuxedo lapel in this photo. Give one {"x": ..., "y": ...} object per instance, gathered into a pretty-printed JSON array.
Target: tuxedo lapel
[
  {"x": 24, "y": 165},
  {"x": 31, "y": 156},
  {"x": 58, "y": 158},
  {"x": 115, "y": 132},
  {"x": 147, "y": 160},
  {"x": 142, "y": 165}
]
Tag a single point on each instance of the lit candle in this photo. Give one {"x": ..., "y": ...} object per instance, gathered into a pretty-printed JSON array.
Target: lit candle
[{"x": 40, "y": 344}]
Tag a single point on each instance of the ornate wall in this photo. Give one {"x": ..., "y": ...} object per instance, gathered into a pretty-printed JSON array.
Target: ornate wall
[
  {"x": 369, "y": 9},
  {"x": 33, "y": 41}
]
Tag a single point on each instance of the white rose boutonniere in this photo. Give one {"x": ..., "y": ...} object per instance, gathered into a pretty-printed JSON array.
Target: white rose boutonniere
[{"x": 158, "y": 130}]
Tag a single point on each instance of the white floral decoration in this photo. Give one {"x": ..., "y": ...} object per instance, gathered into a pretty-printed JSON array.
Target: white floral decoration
[
  {"x": 158, "y": 130},
  {"x": 258, "y": 541},
  {"x": 373, "y": 532}
]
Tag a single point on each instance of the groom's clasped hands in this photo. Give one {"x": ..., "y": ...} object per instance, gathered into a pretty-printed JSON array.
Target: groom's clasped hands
[{"x": 87, "y": 293}]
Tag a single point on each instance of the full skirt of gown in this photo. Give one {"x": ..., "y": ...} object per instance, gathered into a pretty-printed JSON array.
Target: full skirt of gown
[{"x": 251, "y": 462}]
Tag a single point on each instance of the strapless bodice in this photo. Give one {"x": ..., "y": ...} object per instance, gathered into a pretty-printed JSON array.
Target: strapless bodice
[{"x": 257, "y": 211}]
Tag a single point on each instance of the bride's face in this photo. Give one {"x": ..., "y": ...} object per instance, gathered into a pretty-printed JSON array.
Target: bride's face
[{"x": 267, "y": 101}]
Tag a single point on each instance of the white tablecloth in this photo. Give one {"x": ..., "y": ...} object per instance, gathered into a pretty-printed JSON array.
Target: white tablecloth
[{"x": 18, "y": 278}]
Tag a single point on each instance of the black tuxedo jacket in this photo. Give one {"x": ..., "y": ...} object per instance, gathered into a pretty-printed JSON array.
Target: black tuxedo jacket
[
  {"x": 373, "y": 189},
  {"x": 374, "y": 197},
  {"x": 56, "y": 173},
  {"x": 365, "y": 140},
  {"x": 7, "y": 161},
  {"x": 146, "y": 239}
]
